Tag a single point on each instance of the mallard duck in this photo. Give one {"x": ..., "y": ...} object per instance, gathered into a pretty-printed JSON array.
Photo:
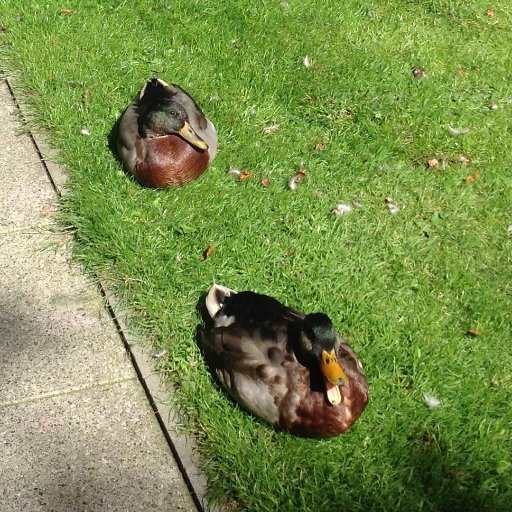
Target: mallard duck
[
  {"x": 164, "y": 139},
  {"x": 290, "y": 369}
]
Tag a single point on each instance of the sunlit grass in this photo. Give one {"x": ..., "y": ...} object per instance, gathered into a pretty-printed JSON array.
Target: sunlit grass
[{"x": 403, "y": 288}]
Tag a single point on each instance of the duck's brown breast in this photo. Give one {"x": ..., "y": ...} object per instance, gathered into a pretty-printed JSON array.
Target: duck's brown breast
[
  {"x": 170, "y": 162},
  {"x": 314, "y": 417}
]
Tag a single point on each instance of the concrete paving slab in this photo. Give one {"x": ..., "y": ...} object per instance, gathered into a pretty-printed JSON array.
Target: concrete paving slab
[
  {"x": 54, "y": 332},
  {"x": 76, "y": 428},
  {"x": 25, "y": 196},
  {"x": 87, "y": 451}
]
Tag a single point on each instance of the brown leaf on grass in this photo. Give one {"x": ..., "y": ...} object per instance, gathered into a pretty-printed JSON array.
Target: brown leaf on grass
[
  {"x": 490, "y": 12},
  {"x": 433, "y": 163},
  {"x": 472, "y": 177},
  {"x": 207, "y": 253},
  {"x": 461, "y": 72},
  {"x": 474, "y": 332},
  {"x": 320, "y": 146},
  {"x": 265, "y": 182},
  {"x": 244, "y": 175},
  {"x": 67, "y": 12}
]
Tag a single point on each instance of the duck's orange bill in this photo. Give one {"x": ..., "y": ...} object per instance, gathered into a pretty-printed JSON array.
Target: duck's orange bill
[
  {"x": 334, "y": 376},
  {"x": 190, "y": 135}
]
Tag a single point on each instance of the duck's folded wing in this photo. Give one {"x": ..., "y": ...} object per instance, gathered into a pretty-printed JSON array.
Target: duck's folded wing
[{"x": 251, "y": 368}]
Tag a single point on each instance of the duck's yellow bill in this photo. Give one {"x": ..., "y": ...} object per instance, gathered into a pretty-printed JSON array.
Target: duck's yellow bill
[
  {"x": 190, "y": 135},
  {"x": 334, "y": 376}
]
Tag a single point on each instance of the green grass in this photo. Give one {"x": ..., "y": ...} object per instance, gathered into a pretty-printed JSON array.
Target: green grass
[{"x": 403, "y": 288}]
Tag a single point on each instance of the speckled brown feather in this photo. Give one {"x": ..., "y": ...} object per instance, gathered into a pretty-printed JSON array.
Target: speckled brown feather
[{"x": 169, "y": 161}]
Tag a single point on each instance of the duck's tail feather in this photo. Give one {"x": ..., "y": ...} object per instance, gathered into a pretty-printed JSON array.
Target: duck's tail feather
[
  {"x": 154, "y": 89},
  {"x": 216, "y": 298}
]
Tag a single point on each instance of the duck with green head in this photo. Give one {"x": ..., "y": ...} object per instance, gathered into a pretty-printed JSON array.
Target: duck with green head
[
  {"x": 290, "y": 369},
  {"x": 164, "y": 139}
]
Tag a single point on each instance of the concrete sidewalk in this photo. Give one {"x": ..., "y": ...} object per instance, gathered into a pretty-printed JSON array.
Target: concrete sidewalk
[{"x": 77, "y": 431}]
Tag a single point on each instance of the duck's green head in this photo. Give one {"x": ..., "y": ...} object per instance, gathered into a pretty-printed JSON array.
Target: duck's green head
[
  {"x": 321, "y": 339},
  {"x": 167, "y": 117}
]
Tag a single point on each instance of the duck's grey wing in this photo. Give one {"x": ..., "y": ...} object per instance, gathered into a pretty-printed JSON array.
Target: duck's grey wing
[
  {"x": 251, "y": 368},
  {"x": 129, "y": 145}
]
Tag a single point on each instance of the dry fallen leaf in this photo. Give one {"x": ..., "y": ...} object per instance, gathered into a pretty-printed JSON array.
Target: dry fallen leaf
[
  {"x": 472, "y": 177},
  {"x": 433, "y": 162},
  {"x": 244, "y": 175},
  {"x": 320, "y": 146},
  {"x": 265, "y": 182},
  {"x": 473, "y": 331},
  {"x": 297, "y": 178},
  {"x": 490, "y": 12},
  {"x": 461, "y": 72},
  {"x": 67, "y": 12},
  {"x": 418, "y": 73},
  {"x": 206, "y": 254}
]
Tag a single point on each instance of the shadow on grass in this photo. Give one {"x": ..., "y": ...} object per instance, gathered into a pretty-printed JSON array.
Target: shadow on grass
[{"x": 443, "y": 482}]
